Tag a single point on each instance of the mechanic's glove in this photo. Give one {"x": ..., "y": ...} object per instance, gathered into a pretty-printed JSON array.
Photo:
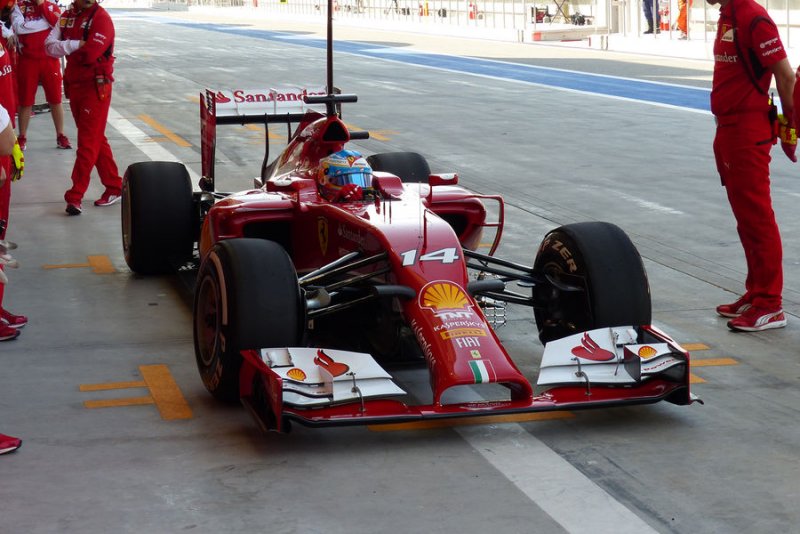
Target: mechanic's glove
[
  {"x": 350, "y": 193},
  {"x": 788, "y": 136},
  {"x": 17, "y": 163}
]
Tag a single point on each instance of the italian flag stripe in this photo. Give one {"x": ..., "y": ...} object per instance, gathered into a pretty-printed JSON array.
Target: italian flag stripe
[{"x": 479, "y": 372}]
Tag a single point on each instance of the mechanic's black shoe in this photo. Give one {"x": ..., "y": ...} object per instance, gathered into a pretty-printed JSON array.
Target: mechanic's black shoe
[
  {"x": 649, "y": 31},
  {"x": 74, "y": 209}
]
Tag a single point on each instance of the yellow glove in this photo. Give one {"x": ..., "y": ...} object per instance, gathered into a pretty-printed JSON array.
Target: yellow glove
[
  {"x": 18, "y": 163},
  {"x": 788, "y": 136}
]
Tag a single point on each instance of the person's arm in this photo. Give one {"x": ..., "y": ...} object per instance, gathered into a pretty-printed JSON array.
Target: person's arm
[
  {"x": 7, "y": 140},
  {"x": 55, "y": 47},
  {"x": 784, "y": 81}
]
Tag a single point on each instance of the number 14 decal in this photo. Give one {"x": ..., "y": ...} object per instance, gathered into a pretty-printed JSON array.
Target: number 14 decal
[{"x": 445, "y": 255}]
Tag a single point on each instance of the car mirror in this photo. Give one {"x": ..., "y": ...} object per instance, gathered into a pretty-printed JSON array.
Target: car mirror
[{"x": 450, "y": 178}]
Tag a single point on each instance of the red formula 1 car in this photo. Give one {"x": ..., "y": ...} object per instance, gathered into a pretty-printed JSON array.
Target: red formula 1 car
[{"x": 310, "y": 291}]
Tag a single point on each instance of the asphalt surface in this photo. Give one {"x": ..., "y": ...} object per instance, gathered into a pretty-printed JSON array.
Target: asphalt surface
[{"x": 164, "y": 457}]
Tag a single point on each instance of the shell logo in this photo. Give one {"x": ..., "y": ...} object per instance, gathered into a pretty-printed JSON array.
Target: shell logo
[
  {"x": 296, "y": 374},
  {"x": 646, "y": 352},
  {"x": 444, "y": 296}
]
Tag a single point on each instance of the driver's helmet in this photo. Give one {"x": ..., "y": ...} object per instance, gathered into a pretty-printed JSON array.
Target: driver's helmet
[{"x": 344, "y": 175}]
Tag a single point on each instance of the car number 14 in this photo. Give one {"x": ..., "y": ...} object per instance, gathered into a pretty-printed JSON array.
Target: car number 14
[{"x": 445, "y": 255}]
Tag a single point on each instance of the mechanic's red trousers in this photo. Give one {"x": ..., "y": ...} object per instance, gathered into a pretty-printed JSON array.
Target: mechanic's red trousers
[
  {"x": 5, "y": 203},
  {"x": 741, "y": 149},
  {"x": 91, "y": 114}
]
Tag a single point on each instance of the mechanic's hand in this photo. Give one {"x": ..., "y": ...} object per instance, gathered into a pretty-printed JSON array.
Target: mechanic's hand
[
  {"x": 788, "y": 136},
  {"x": 17, "y": 163},
  {"x": 12, "y": 41}
]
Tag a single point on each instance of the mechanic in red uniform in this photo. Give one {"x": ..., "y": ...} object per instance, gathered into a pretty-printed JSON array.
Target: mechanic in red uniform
[
  {"x": 32, "y": 21},
  {"x": 9, "y": 323},
  {"x": 85, "y": 34},
  {"x": 747, "y": 52},
  {"x": 7, "y": 141}
]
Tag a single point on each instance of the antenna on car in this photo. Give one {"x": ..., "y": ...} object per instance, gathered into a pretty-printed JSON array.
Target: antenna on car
[{"x": 331, "y": 99}]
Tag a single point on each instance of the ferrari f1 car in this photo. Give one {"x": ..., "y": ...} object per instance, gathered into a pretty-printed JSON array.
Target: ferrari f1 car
[{"x": 305, "y": 303}]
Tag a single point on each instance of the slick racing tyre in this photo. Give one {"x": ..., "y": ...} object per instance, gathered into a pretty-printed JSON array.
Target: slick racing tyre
[
  {"x": 600, "y": 260},
  {"x": 158, "y": 222},
  {"x": 410, "y": 167},
  {"x": 247, "y": 297}
]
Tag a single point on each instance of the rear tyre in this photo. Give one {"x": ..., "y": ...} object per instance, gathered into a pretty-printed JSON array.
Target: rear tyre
[
  {"x": 601, "y": 259},
  {"x": 158, "y": 223},
  {"x": 410, "y": 167},
  {"x": 247, "y": 297}
]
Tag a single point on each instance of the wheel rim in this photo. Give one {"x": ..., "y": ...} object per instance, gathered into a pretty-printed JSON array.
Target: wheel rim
[{"x": 208, "y": 320}]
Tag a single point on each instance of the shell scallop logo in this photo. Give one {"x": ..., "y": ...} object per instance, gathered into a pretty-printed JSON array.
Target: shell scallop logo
[
  {"x": 296, "y": 374},
  {"x": 444, "y": 296},
  {"x": 646, "y": 352}
]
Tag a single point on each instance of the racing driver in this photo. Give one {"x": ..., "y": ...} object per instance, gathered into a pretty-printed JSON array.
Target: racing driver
[
  {"x": 85, "y": 34},
  {"x": 747, "y": 52},
  {"x": 344, "y": 176}
]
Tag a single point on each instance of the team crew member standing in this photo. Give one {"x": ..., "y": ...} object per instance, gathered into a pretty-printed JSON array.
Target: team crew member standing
[
  {"x": 32, "y": 21},
  {"x": 85, "y": 34},
  {"x": 747, "y": 52},
  {"x": 9, "y": 323}
]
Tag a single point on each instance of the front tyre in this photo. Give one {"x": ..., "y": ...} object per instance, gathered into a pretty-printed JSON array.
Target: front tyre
[
  {"x": 158, "y": 222},
  {"x": 599, "y": 258},
  {"x": 247, "y": 297}
]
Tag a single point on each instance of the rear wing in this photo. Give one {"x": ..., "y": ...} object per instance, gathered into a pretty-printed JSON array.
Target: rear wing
[{"x": 285, "y": 104}]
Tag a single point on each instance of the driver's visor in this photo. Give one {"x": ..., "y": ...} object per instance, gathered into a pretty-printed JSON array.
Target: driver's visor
[{"x": 359, "y": 177}]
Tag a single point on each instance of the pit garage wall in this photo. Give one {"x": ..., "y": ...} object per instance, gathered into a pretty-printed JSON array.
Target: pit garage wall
[{"x": 497, "y": 19}]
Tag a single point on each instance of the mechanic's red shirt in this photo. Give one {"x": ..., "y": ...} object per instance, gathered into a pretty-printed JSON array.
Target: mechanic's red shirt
[
  {"x": 7, "y": 86},
  {"x": 35, "y": 25},
  {"x": 731, "y": 90},
  {"x": 94, "y": 57}
]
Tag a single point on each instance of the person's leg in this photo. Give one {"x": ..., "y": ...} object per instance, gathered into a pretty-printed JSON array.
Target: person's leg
[
  {"x": 27, "y": 83},
  {"x": 106, "y": 166},
  {"x": 52, "y": 83},
  {"x": 90, "y": 133},
  {"x": 747, "y": 185}
]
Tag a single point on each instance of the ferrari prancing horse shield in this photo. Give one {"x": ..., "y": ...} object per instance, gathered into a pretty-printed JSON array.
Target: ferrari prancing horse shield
[{"x": 322, "y": 233}]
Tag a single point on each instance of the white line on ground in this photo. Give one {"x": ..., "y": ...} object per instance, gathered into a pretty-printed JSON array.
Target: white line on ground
[{"x": 564, "y": 493}]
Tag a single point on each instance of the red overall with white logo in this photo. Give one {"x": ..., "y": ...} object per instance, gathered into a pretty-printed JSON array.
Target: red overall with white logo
[
  {"x": 744, "y": 138},
  {"x": 32, "y": 23},
  {"x": 87, "y": 81}
]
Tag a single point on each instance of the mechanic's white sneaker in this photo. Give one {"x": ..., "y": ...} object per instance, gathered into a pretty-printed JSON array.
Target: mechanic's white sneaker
[
  {"x": 107, "y": 200},
  {"x": 757, "y": 319},
  {"x": 735, "y": 309}
]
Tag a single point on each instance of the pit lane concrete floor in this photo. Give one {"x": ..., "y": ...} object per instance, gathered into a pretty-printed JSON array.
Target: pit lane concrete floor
[{"x": 120, "y": 436}]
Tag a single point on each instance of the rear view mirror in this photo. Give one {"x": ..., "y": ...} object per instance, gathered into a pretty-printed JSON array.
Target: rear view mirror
[{"x": 450, "y": 178}]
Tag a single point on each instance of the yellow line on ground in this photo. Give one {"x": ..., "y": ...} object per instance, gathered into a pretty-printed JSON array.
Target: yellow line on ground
[
  {"x": 695, "y": 346},
  {"x": 112, "y": 385},
  {"x": 178, "y": 140},
  {"x": 463, "y": 421},
  {"x": 708, "y": 362},
  {"x": 694, "y": 379},
  {"x": 101, "y": 264},
  {"x": 66, "y": 266},
  {"x": 166, "y": 393},
  {"x": 113, "y": 403}
]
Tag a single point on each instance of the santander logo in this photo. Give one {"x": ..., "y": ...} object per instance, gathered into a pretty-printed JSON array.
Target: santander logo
[{"x": 248, "y": 96}]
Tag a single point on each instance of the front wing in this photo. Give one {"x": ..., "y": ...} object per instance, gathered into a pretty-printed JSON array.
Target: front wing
[{"x": 600, "y": 368}]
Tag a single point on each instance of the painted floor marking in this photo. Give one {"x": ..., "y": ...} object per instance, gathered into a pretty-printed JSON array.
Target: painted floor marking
[
  {"x": 574, "y": 501},
  {"x": 164, "y": 393},
  {"x": 479, "y": 420},
  {"x": 169, "y": 134},
  {"x": 705, "y": 362},
  {"x": 99, "y": 264}
]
